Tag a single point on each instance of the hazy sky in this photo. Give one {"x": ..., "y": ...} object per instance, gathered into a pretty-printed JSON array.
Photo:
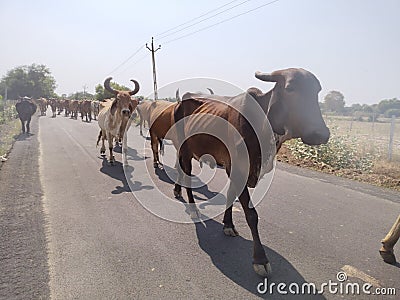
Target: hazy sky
[{"x": 352, "y": 46}]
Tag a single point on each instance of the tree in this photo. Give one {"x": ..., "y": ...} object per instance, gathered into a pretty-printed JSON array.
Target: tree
[
  {"x": 102, "y": 93},
  {"x": 392, "y": 112},
  {"x": 334, "y": 101},
  {"x": 80, "y": 96},
  {"x": 387, "y": 104},
  {"x": 33, "y": 81}
]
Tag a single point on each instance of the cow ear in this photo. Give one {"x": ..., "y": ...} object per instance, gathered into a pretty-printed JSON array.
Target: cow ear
[{"x": 114, "y": 107}]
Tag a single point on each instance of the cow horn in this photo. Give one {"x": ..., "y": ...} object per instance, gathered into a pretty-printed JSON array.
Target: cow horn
[
  {"x": 211, "y": 91},
  {"x": 269, "y": 77},
  {"x": 108, "y": 87},
  {"x": 136, "y": 87},
  {"x": 178, "y": 98}
]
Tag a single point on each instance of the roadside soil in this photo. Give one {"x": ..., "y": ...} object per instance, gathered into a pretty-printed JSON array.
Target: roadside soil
[{"x": 382, "y": 174}]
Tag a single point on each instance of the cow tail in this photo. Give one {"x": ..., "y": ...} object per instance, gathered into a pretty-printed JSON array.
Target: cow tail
[{"x": 99, "y": 137}]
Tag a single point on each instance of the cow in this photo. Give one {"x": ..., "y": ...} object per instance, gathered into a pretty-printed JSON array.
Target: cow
[
  {"x": 60, "y": 106},
  {"x": 292, "y": 110},
  {"x": 66, "y": 104},
  {"x": 159, "y": 116},
  {"x": 25, "y": 108},
  {"x": 53, "y": 105},
  {"x": 42, "y": 103},
  {"x": 95, "y": 109},
  {"x": 389, "y": 241},
  {"x": 114, "y": 116},
  {"x": 86, "y": 110},
  {"x": 74, "y": 108}
]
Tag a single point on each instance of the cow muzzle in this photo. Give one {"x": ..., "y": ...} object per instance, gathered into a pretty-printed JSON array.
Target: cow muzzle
[
  {"x": 126, "y": 112},
  {"x": 317, "y": 137}
]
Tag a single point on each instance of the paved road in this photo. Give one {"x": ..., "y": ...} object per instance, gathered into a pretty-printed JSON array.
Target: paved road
[{"x": 103, "y": 244}]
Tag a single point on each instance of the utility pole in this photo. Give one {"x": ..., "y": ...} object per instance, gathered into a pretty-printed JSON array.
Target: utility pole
[
  {"x": 84, "y": 91},
  {"x": 152, "y": 50}
]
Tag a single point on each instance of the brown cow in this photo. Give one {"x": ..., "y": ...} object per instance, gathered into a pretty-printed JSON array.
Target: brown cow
[
  {"x": 86, "y": 110},
  {"x": 73, "y": 108},
  {"x": 293, "y": 112},
  {"x": 114, "y": 115},
  {"x": 159, "y": 115},
  {"x": 66, "y": 104},
  {"x": 42, "y": 103}
]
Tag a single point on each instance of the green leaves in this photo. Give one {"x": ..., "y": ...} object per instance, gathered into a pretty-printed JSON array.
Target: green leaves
[{"x": 33, "y": 81}]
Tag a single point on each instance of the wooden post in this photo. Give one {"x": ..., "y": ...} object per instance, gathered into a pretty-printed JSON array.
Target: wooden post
[{"x": 390, "y": 150}]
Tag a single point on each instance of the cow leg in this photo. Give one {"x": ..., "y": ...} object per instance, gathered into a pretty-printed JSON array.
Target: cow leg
[
  {"x": 261, "y": 264},
  {"x": 154, "y": 148},
  {"x": 178, "y": 187},
  {"x": 110, "y": 139},
  {"x": 187, "y": 169},
  {"x": 161, "y": 141},
  {"x": 389, "y": 241},
  {"x": 28, "y": 127},
  {"x": 22, "y": 125},
  {"x": 229, "y": 228}
]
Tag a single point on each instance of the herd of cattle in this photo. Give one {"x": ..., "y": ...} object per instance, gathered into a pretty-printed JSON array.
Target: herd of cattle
[
  {"x": 291, "y": 108},
  {"x": 86, "y": 108}
]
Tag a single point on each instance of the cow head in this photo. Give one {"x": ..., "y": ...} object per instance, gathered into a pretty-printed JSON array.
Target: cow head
[
  {"x": 123, "y": 102},
  {"x": 293, "y": 107}
]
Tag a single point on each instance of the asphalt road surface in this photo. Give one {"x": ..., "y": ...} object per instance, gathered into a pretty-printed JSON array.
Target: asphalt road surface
[{"x": 72, "y": 228}]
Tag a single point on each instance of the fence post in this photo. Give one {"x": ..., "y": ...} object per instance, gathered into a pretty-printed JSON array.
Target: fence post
[{"x": 390, "y": 152}]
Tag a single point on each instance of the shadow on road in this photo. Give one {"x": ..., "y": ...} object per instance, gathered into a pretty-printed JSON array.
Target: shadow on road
[
  {"x": 232, "y": 256},
  {"x": 162, "y": 174},
  {"x": 116, "y": 171},
  {"x": 23, "y": 136}
]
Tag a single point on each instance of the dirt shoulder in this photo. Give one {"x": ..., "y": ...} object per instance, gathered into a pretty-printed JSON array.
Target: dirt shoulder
[
  {"x": 8, "y": 134},
  {"x": 382, "y": 174},
  {"x": 23, "y": 253}
]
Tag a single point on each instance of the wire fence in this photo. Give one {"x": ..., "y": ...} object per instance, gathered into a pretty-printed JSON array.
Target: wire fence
[{"x": 380, "y": 137}]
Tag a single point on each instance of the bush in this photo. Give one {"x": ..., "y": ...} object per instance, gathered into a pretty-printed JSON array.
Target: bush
[{"x": 341, "y": 152}]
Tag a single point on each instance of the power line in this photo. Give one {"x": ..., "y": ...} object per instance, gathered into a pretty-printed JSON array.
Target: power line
[
  {"x": 218, "y": 23},
  {"x": 205, "y": 19},
  {"x": 126, "y": 60},
  {"x": 133, "y": 64},
  {"x": 191, "y": 20}
]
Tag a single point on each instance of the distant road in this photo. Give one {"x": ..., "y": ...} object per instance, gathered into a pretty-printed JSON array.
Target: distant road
[{"x": 102, "y": 244}]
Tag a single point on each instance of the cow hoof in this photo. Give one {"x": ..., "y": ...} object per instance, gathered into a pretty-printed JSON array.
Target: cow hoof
[
  {"x": 178, "y": 194},
  {"x": 263, "y": 270},
  {"x": 388, "y": 257},
  {"x": 230, "y": 231}
]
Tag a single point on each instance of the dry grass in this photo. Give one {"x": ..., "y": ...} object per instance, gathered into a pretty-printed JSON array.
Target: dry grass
[
  {"x": 8, "y": 132},
  {"x": 372, "y": 138},
  {"x": 370, "y": 141}
]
